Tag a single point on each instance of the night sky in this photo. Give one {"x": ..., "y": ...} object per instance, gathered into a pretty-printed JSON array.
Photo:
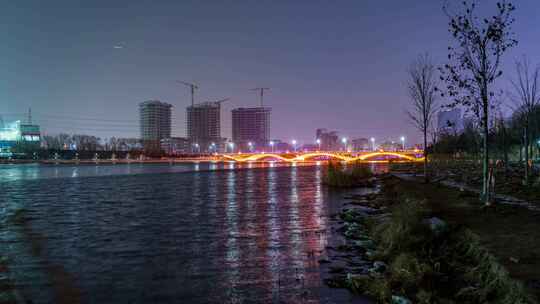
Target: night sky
[{"x": 83, "y": 66}]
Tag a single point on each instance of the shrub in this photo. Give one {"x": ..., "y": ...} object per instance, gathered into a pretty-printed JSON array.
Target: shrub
[{"x": 403, "y": 230}]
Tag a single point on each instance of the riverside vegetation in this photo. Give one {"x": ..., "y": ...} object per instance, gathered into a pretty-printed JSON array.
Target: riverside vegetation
[
  {"x": 354, "y": 175},
  {"x": 416, "y": 257}
]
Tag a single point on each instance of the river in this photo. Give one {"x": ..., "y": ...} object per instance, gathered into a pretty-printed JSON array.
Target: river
[{"x": 189, "y": 233}]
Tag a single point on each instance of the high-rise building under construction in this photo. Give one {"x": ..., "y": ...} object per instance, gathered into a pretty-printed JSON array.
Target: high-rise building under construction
[
  {"x": 204, "y": 126},
  {"x": 251, "y": 127}
]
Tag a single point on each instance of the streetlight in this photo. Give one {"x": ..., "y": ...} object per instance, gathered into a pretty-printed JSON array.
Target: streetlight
[
  {"x": 250, "y": 144},
  {"x": 402, "y": 143},
  {"x": 319, "y": 143},
  {"x": 231, "y": 145},
  {"x": 213, "y": 147},
  {"x": 344, "y": 141},
  {"x": 373, "y": 143},
  {"x": 294, "y": 144},
  {"x": 272, "y": 145},
  {"x": 196, "y": 145}
]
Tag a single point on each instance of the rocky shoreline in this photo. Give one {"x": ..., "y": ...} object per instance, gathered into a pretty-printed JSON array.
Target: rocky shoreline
[{"x": 395, "y": 251}]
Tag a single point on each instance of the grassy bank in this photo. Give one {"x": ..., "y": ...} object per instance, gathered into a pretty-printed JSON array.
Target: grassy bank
[
  {"x": 508, "y": 180},
  {"x": 436, "y": 246}
]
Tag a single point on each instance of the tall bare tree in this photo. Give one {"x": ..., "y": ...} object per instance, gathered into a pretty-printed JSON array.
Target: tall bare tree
[
  {"x": 475, "y": 63},
  {"x": 422, "y": 88},
  {"x": 526, "y": 96}
]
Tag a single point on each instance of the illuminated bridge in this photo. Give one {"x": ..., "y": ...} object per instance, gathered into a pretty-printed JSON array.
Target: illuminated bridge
[{"x": 377, "y": 156}]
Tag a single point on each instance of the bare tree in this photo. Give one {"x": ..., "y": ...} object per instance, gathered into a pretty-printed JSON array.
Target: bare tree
[
  {"x": 422, "y": 88},
  {"x": 526, "y": 97},
  {"x": 474, "y": 64}
]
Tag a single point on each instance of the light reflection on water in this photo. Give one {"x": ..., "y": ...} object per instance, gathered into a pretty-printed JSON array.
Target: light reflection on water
[{"x": 203, "y": 236}]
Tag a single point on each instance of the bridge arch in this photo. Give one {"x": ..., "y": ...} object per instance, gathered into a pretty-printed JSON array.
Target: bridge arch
[
  {"x": 312, "y": 155},
  {"x": 379, "y": 153}
]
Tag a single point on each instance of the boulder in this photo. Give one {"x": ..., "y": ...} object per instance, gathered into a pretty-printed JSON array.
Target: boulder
[
  {"x": 378, "y": 267},
  {"x": 400, "y": 300},
  {"x": 436, "y": 225}
]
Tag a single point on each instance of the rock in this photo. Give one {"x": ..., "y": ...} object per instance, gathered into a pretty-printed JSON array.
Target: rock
[
  {"x": 378, "y": 267},
  {"x": 324, "y": 261},
  {"x": 366, "y": 244},
  {"x": 436, "y": 225},
  {"x": 400, "y": 300},
  {"x": 514, "y": 260},
  {"x": 370, "y": 253}
]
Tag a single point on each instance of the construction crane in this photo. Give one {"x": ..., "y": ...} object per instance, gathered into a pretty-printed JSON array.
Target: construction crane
[
  {"x": 261, "y": 92},
  {"x": 192, "y": 87}
]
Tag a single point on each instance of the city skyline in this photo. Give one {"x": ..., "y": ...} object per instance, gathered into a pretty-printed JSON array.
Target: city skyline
[{"x": 317, "y": 58}]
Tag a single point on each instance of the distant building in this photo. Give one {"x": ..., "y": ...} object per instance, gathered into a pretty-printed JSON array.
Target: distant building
[
  {"x": 204, "y": 127},
  {"x": 360, "y": 144},
  {"x": 328, "y": 140},
  {"x": 251, "y": 125},
  {"x": 450, "y": 121},
  {"x": 309, "y": 148},
  {"x": 155, "y": 123},
  {"x": 282, "y": 147},
  {"x": 390, "y": 146},
  {"x": 175, "y": 145},
  {"x": 17, "y": 137}
]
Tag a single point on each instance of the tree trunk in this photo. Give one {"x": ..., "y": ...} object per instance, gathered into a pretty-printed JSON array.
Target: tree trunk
[
  {"x": 505, "y": 151},
  {"x": 485, "y": 167},
  {"x": 526, "y": 140},
  {"x": 426, "y": 180}
]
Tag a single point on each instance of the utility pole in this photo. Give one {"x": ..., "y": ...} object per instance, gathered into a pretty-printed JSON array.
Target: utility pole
[
  {"x": 261, "y": 92},
  {"x": 29, "y": 116},
  {"x": 193, "y": 87}
]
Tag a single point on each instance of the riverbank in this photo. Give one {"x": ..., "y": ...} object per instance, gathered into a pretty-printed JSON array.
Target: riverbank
[
  {"x": 409, "y": 263},
  {"x": 508, "y": 181}
]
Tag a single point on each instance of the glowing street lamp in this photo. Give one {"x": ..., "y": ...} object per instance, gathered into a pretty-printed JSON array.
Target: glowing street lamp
[
  {"x": 294, "y": 144},
  {"x": 402, "y": 143},
  {"x": 196, "y": 145},
  {"x": 213, "y": 147},
  {"x": 272, "y": 145},
  {"x": 344, "y": 141},
  {"x": 250, "y": 144},
  {"x": 231, "y": 145},
  {"x": 319, "y": 143},
  {"x": 373, "y": 143}
]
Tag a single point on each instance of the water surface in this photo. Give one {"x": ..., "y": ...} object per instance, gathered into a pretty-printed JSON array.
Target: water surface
[{"x": 168, "y": 234}]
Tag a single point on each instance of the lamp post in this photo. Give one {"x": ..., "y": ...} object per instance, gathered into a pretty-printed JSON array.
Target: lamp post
[
  {"x": 319, "y": 143},
  {"x": 344, "y": 141},
  {"x": 196, "y": 145},
  {"x": 231, "y": 145},
  {"x": 213, "y": 147},
  {"x": 250, "y": 144},
  {"x": 294, "y": 144},
  {"x": 272, "y": 145},
  {"x": 402, "y": 143},
  {"x": 372, "y": 144}
]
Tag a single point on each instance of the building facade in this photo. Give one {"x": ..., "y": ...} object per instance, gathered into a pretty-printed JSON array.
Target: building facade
[
  {"x": 328, "y": 140},
  {"x": 360, "y": 144},
  {"x": 251, "y": 125},
  {"x": 155, "y": 123},
  {"x": 204, "y": 127},
  {"x": 175, "y": 145},
  {"x": 18, "y": 138}
]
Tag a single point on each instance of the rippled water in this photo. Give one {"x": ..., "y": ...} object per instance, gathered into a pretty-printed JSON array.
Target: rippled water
[{"x": 168, "y": 234}]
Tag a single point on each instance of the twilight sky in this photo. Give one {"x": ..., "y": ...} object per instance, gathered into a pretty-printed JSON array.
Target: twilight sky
[{"x": 83, "y": 66}]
